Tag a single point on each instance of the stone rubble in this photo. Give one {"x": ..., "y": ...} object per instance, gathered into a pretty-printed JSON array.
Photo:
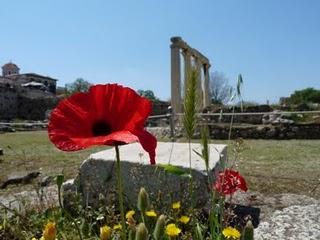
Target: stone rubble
[
  {"x": 296, "y": 222},
  {"x": 284, "y": 216}
]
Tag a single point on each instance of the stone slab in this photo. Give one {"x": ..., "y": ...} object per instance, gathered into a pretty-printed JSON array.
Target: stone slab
[
  {"x": 97, "y": 175},
  {"x": 168, "y": 152}
]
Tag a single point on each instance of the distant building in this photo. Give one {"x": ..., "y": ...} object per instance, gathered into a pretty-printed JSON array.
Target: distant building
[
  {"x": 27, "y": 95},
  {"x": 10, "y": 69},
  {"x": 11, "y": 74}
]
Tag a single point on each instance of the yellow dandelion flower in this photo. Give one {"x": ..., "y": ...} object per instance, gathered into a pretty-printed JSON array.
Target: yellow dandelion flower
[
  {"x": 184, "y": 219},
  {"x": 33, "y": 238},
  {"x": 117, "y": 227},
  {"x": 130, "y": 214},
  {"x": 50, "y": 231},
  {"x": 176, "y": 205},
  {"x": 1, "y": 227},
  {"x": 105, "y": 232},
  {"x": 172, "y": 230},
  {"x": 231, "y": 233},
  {"x": 151, "y": 213}
]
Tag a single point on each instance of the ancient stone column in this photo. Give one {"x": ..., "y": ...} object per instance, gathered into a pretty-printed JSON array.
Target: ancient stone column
[
  {"x": 199, "y": 83},
  {"x": 187, "y": 67},
  {"x": 206, "y": 96},
  {"x": 201, "y": 64},
  {"x": 175, "y": 76}
]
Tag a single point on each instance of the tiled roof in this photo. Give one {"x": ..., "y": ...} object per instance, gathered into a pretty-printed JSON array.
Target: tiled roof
[{"x": 10, "y": 64}]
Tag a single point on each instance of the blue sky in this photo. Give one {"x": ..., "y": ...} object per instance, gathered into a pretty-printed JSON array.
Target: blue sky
[{"x": 274, "y": 44}]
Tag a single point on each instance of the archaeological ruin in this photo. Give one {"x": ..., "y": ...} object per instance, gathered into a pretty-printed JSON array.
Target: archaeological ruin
[
  {"x": 192, "y": 58},
  {"x": 25, "y": 96}
]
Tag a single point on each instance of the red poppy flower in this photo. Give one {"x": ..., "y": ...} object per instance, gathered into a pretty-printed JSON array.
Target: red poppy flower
[
  {"x": 105, "y": 115},
  {"x": 229, "y": 181}
]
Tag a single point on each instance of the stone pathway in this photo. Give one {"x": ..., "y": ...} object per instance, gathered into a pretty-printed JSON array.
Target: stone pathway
[
  {"x": 284, "y": 216},
  {"x": 291, "y": 223}
]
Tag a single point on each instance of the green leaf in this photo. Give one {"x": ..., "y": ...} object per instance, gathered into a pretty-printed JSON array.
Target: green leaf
[
  {"x": 239, "y": 85},
  {"x": 198, "y": 232},
  {"x": 59, "y": 180},
  {"x": 196, "y": 152},
  {"x": 174, "y": 169}
]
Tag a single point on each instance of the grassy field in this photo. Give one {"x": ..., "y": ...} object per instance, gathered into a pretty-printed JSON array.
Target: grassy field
[
  {"x": 269, "y": 166},
  {"x": 31, "y": 151}
]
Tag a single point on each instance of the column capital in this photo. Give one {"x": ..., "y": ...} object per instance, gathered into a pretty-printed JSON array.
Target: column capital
[
  {"x": 176, "y": 39},
  {"x": 207, "y": 65}
]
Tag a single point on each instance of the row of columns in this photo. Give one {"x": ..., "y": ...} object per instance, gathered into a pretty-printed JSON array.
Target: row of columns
[{"x": 201, "y": 64}]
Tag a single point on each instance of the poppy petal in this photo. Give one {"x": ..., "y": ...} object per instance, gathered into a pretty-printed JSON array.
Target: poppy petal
[
  {"x": 148, "y": 142},
  {"x": 63, "y": 142},
  {"x": 122, "y": 101},
  {"x": 112, "y": 139},
  {"x": 70, "y": 115}
]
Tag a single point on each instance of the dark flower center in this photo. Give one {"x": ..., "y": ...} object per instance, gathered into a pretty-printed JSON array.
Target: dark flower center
[{"x": 101, "y": 128}]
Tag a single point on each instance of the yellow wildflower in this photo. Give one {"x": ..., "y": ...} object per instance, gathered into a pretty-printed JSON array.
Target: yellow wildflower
[
  {"x": 117, "y": 227},
  {"x": 184, "y": 219},
  {"x": 151, "y": 213},
  {"x": 176, "y": 205},
  {"x": 130, "y": 214},
  {"x": 49, "y": 232},
  {"x": 1, "y": 227},
  {"x": 172, "y": 230},
  {"x": 33, "y": 238},
  {"x": 231, "y": 233},
  {"x": 105, "y": 232}
]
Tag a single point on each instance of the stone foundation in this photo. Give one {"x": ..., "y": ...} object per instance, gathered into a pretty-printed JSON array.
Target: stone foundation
[
  {"x": 221, "y": 131},
  {"x": 294, "y": 131}
]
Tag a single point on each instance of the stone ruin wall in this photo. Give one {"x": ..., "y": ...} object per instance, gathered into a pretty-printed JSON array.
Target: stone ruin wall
[
  {"x": 247, "y": 127},
  {"x": 276, "y": 132},
  {"x": 280, "y": 132},
  {"x": 35, "y": 108},
  {"x": 25, "y": 104},
  {"x": 160, "y": 107},
  {"x": 248, "y": 119},
  {"x": 8, "y": 102}
]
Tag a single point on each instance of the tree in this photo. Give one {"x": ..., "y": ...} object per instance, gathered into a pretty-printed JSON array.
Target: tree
[
  {"x": 307, "y": 95},
  {"x": 79, "y": 85},
  {"x": 219, "y": 88},
  {"x": 147, "y": 94}
]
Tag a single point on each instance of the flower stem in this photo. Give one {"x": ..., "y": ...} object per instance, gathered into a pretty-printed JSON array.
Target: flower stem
[
  {"x": 120, "y": 193},
  {"x": 65, "y": 211},
  {"x": 59, "y": 197},
  {"x": 143, "y": 218},
  {"x": 191, "y": 193}
]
